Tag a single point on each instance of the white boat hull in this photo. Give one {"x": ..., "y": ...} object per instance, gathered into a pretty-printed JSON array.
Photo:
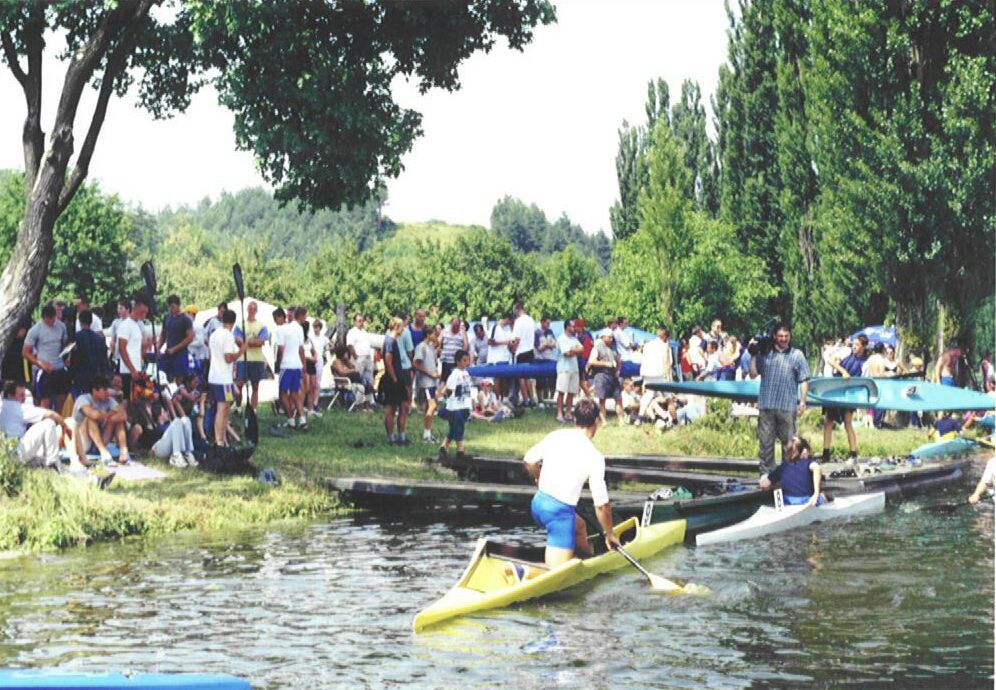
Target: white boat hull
[{"x": 769, "y": 520}]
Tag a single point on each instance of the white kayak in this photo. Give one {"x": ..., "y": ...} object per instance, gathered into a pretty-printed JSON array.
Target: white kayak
[{"x": 770, "y": 520}]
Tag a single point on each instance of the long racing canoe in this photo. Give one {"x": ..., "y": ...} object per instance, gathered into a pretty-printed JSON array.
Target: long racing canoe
[
  {"x": 770, "y": 520},
  {"x": 57, "y": 679},
  {"x": 490, "y": 580}
]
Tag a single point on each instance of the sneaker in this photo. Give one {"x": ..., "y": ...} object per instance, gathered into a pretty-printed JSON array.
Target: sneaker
[
  {"x": 176, "y": 460},
  {"x": 291, "y": 423},
  {"x": 314, "y": 413},
  {"x": 443, "y": 453},
  {"x": 191, "y": 459},
  {"x": 561, "y": 419}
]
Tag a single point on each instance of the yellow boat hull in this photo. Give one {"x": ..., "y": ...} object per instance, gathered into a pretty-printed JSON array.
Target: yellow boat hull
[{"x": 489, "y": 583}]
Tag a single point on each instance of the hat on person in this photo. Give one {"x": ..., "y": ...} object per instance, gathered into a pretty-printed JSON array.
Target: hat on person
[
  {"x": 487, "y": 382},
  {"x": 606, "y": 332},
  {"x": 579, "y": 323},
  {"x": 190, "y": 309}
]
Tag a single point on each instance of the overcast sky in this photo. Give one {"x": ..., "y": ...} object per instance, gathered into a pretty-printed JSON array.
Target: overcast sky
[{"x": 540, "y": 125}]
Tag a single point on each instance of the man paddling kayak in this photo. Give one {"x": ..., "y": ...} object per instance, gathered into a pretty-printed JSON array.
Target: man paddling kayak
[{"x": 569, "y": 459}]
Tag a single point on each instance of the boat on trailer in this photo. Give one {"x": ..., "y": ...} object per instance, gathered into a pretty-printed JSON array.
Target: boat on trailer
[
  {"x": 780, "y": 518},
  {"x": 490, "y": 580}
]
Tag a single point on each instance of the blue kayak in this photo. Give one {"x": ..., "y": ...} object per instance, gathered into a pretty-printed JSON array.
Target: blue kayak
[
  {"x": 904, "y": 395},
  {"x": 532, "y": 370},
  {"x": 50, "y": 679},
  {"x": 948, "y": 446}
]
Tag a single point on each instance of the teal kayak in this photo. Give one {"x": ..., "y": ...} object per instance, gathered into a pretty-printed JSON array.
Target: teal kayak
[
  {"x": 51, "y": 679},
  {"x": 947, "y": 446},
  {"x": 904, "y": 395}
]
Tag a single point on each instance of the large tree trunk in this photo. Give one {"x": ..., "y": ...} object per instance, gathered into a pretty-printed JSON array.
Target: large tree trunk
[{"x": 22, "y": 280}]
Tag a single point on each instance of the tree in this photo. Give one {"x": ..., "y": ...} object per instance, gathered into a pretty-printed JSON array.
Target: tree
[
  {"x": 688, "y": 118},
  {"x": 94, "y": 234},
  {"x": 631, "y": 163},
  {"x": 320, "y": 120},
  {"x": 525, "y": 227},
  {"x": 569, "y": 281}
]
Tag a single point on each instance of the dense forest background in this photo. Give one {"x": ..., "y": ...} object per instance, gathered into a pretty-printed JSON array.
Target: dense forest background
[{"x": 847, "y": 179}]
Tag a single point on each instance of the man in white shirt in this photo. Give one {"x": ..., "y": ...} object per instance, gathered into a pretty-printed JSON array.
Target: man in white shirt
[
  {"x": 129, "y": 334},
  {"x": 500, "y": 347},
  {"x": 83, "y": 304},
  {"x": 568, "y": 375},
  {"x": 657, "y": 365},
  {"x": 290, "y": 360},
  {"x": 358, "y": 342},
  {"x": 625, "y": 345},
  {"x": 524, "y": 338},
  {"x": 569, "y": 460},
  {"x": 224, "y": 352}
]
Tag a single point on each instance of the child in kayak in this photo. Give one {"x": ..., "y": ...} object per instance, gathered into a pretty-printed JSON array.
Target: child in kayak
[{"x": 799, "y": 475}]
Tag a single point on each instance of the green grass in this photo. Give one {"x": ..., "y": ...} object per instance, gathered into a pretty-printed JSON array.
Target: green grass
[{"x": 40, "y": 510}]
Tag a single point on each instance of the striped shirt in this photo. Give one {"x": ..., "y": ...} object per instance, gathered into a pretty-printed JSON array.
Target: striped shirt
[
  {"x": 451, "y": 342},
  {"x": 781, "y": 373}
]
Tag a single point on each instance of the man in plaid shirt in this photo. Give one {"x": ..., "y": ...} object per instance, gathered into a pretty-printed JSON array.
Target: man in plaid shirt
[{"x": 783, "y": 370}]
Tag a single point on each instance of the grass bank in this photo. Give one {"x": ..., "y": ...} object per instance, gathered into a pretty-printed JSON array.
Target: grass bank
[{"x": 40, "y": 510}]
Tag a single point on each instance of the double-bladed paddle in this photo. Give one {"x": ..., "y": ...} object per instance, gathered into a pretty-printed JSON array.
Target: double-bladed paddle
[{"x": 252, "y": 425}]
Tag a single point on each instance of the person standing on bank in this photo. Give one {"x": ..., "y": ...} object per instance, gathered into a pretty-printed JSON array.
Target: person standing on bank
[
  {"x": 850, "y": 366},
  {"x": 784, "y": 385}
]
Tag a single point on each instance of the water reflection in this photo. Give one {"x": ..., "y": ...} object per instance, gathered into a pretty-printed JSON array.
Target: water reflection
[{"x": 902, "y": 596}]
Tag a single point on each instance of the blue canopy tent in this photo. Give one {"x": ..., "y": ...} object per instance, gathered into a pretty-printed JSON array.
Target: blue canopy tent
[{"x": 879, "y": 334}]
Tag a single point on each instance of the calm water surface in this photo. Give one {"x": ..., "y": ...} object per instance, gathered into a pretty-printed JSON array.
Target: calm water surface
[{"x": 901, "y": 600}]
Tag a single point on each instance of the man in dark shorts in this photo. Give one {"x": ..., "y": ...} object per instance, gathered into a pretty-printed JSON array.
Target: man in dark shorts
[
  {"x": 43, "y": 346},
  {"x": 605, "y": 363},
  {"x": 177, "y": 334},
  {"x": 393, "y": 387},
  {"x": 848, "y": 367}
]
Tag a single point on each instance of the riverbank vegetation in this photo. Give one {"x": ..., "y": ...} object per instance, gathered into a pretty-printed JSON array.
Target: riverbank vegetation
[{"x": 40, "y": 510}]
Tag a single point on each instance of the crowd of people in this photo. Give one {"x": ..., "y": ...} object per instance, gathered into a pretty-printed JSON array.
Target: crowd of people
[{"x": 171, "y": 390}]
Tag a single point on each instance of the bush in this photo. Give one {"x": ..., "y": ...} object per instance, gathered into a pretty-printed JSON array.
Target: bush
[{"x": 11, "y": 469}]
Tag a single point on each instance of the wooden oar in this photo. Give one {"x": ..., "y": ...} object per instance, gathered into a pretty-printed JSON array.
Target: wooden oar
[{"x": 657, "y": 582}]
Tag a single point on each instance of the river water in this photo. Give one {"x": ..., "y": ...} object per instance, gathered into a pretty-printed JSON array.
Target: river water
[{"x": 903, "y": 599}]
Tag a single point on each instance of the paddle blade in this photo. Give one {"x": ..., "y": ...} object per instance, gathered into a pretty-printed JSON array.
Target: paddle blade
[
  {"x": 662, "y": 584},
  {"x": 148, "y": 272},
  {"x": 252, "y": 426},
  {"x": 239, "y": 285}
]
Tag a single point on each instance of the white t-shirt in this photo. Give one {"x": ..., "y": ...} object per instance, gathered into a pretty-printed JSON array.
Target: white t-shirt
[
  {"x": 656, "y": 357},
  {"x": 291, "y": 337},
  {"x": 319, "y": 343},
  {"x": 97, "y": 326},
  {"x": 569, "y": 460},
  {"x": 360, "y": 340},
  {"x": 565, "y": 364},
  {"x": 525, "y": 330},
  {"x": 624, "y": 344},
  {"x": 132, "y": 332},
  {"x": 222, "y": 343},
  {"x": 458, "y": 390},
  {"x": 498, "y": 354}
]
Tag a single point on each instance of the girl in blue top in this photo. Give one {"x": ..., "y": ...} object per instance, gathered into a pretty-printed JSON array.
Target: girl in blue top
[{"x": 799, "y": 475}]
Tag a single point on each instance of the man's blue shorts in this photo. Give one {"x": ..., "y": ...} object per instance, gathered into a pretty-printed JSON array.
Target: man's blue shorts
[
  {"x": 252, "y": 373},
  {"x": 176, "y": 364},
  {"x": 799, "y": 500},
  {"x": 558, "y": 518},
  {"x": 222, "y": 393},
  {"x": 290, "y": 380}
]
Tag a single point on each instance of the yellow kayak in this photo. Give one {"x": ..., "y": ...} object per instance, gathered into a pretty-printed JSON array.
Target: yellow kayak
[{"x": 490, "y": 581}]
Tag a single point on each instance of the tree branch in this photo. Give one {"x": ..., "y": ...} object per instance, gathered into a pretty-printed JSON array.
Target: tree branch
[
  {"x": 11, "y": 54},
  {"x": 115, "y": 66},
  {"x": 32, "y": 136}
]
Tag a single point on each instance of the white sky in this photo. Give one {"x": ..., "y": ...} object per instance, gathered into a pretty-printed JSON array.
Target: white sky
[{"x": 539, "y": 125}]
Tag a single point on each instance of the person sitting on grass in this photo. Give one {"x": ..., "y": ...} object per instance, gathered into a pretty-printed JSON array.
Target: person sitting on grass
[
  {"x": 98, "y": 419},
  {"x": 458, "y": 404},
  {"x": 176, "y": 442},
  {"x": 800, "y": 475},
  {"x": 631, "y": 395},
  {"x": 41, "y": 434},
  {"x": 560, "y": 465},
  {"x": 487, "y": 406}
]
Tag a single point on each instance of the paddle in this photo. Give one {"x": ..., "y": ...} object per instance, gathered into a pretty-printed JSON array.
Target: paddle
[
  {"x": 148, "y": 272},
  {"x": 252, "y": 425},
  {"x": 657, "y": 582}
]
